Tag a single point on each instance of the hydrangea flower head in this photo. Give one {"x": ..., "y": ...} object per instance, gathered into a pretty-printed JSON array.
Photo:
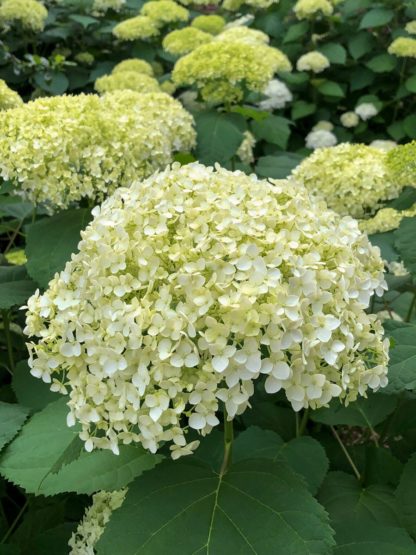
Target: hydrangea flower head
[
  {"x": 100, "y": 7},
  {"x": 245, "y": 150},
  {"x": 411, "y": 27},
  {"x": 320, "y": 138},
  {"x": 312, "y": 61},
  {"x": 221, "y": 69},
  {"x": 8, "y": 98},
  {"x": 366, "y": 110},
  {"x": 401, "y": 164},
  {"x": 126, "y": 80},
  {"x": 134, "y": 28},
  {"x": 31, "y": 14},
  {"x": 163, "y": 12},
  {"x": 306, "y": 9},
  {"x": 351, "y": 178},
  {"x": 134, "y": 64},
  {"x": 191, "y": 285},
  {"x": 277, "y": 95},
  {"x": 61, "y": 149},
  {"x": 350, "y": 119},
  {"x": 243, "y": 34},
  {"x": 182, "y": 41},
  {"x": 212, "y": 24},
  {"x": 403, "y": 47}
]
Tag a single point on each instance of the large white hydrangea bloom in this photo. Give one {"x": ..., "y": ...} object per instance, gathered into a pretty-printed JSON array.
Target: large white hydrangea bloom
[{"x": 192, "y": 284}]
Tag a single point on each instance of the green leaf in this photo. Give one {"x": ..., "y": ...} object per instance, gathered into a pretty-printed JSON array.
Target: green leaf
[
  {"x": 376, "y": 18},
  {"x": 54, "y": 82},
  {"x": 30, "y": 391},
  {"x": 410, "y": 84},
  {"x": 405, "y": 495},
  {"x": 15, "y": 286},
  {"x": 335, "y": 53},
  {"x": 219, "y": 136},
  {"x": 12, "y": 418},
  {"x": 296, "y": 31},
  {"x": 301, "y": 109},
  {"x": 360, "y": 44},
  {"x": 331, "y": 88},
  {"x": 258, "y": 443},
  {"x": 405, "y": 243},
  {"x": 363, "y": 412},
  {"x": 40, "y": 447},
  {"x": 409, "y": 125},
  {"x": 402, "y": 364},
  {"x": 51, "y": 241},
  {"x": 279, "y": 166},
  {"x": 382, "y": 63},
  {"x": 258, "y": 507},
  {"x": 385, "y": 242},
  {"x": 343, "y": 497},
  {"x": 275, "y": 130},
  {"x": 84, "y": 20},
  {"x": 396, "y": 131}
]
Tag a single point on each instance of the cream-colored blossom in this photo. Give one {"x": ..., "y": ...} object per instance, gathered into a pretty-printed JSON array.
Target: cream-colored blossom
[
  {"x": 401, "y": 164},
  {"x": 349, "y": 119},
  {"x": 182, "y": 41},
  {"x": 97, "y": 515},
  {"x": 59, "y": 150},
  {"x": 351, "y": 178},
  {"x": 306, "y": 9},
  {"x": 100, "y": 7},
  {"x": 383, "y": 144},
  {"x": 234, "y": 5},
  {"x": 320, "y": 138},
  {"x": 191, "y": 285},
  {"x": 411, "y": 27},
  {"x": 386, "y": 219},
  {"x": 8, "y": 98},
  {"x": 139, "y": 27},
  {"x": 245, "y": 150},
  {"x": 134, "y": 64},
  {"x": 366, "y": 110},
  {"x": 222, "y": 69},
  {"x": 212, "y": 24},
  {"x": 126, "y": 80},
  {"x": 30, "y": 14},
  {"x": 243, "y": 34},
  {"x": 277, "y": 95},
  {"x": 403, "y": 47},
  {"x": 324, "y": 125},
  {"x": 163, "y": 12},
  {"x": 312, "y": 61}
]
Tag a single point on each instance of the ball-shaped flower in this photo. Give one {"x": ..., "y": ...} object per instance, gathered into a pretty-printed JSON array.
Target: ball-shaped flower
[
  {"x": 243, "y": 34},
  {"x": 126, "y": 80},
  {"x": 383, "y": 144},
  {"x": 183, "y": 41},
  {"x": 320, "y": 138},
  {"x": 139, "y": 27},
  {"x": 366, "y": 110},
  {"x": 30, "y": 14},
  {"x": 411, "y": 27},
  {"x": 307, "y": 9},
  {"x": 403, "y": 47},
  {"x": 8, "y": 97},
  {"x": 100, "y": 7},
  {"x": 401, "y": 164},
  {"x": 59, "y": 150},
  {"x": 163, "y": 12},
  {"x": 312, "y": 61},
  {"x": 351, "y": 178},
  {"x": 134, "y": 64},
  {"x": 212, "y": 24},
  {"x": 350, "y": 119},
  {"x": 277, "y": 95},
  {"x": 189, "y": 286},
  {"x": 85, "y": 58},
  {"x": 222, "y": 69}
]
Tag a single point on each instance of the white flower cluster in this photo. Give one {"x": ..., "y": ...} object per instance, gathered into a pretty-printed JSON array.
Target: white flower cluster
[
  {"x": 192, "y": 284},
  {"x": 366, "y": 110},
  {"x": 321, "y": 136},
  {"x": 245, "y": 150},
  {"x": 277, "y": 95},
  {"x": 90, "y": 529}
]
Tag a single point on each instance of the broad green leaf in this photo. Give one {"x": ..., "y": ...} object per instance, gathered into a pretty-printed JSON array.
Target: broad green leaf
[
  {"x": 30, "y": 391},
  {"x": 360, "y": 44},
  {"x": 396, "y": 131},
  {"x": 363, "y": 412},
  {"x": 405, "y": 495},
  {"x": 51, "y": 241},
  {"x": 31, "y": 458},
  {"x": 84, "y": 20},
  {"x": 382, "y": 63},
  {"x": 405, "y": 243},
  {"x": 274, "y": 130},
  {"x": 270, "y": 23},
  {"x": 376, "y": 18},
  {"x": 296, "y": 31},
  {"x": 279, "y": 166},
  {"x": 343, "y": 497},
  {"x": 15, "y": 286},
  {"x": 301, "y": 109},
  {"x": 12, "y": 418},
  {"x": 402, "y": 364},
  {"x": 360, "y": 78},
  {"x": 54, "y": 82},
  {"x": 335, "y": 53},
  {"x": 411, "y": 84},
  {"x": 266, "y": 414},
  {"x": 219, "y": 136},
  {"x": 385, "y": 242},
  {"x": 409, "y": 125},
  {"x": 181, "y": 508},
  {"x": 381, "y": 466},
  {"x": 331, "y": 88},
  {"x": 258, "y": 443}
]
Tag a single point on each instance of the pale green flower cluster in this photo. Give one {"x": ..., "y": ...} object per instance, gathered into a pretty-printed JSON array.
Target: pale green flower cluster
[
  {"x": 411, "y": 27},
  {"x": 126, "y": 80},
  {"x": 306, "y": 9},
  {"x": 8, "y": 98},
  {"x": 59, "y": 150},
  {"x": 386, "y": 219},
  {"x": 401, "y": 164},
  {"x": 351, "y": 178},
  {"x": 350, "y": 119},
  {"x": 321, "y": 136},
  {"x": 245, "y": 150},
  {"x": 366, "y": 110},
  {"x": 313, "y": 61},
  {"x": 212, "y": 24},
  {"x": 383, "y": 144},
  {"x": 134, "y": 64},
  {"x": 200, "y": 2},
  {"x": 244, "y": 34},
  {"x": 183, "y": 41},
  {"x": 191, "y": 285},
  {"x": 85, "y": 58},
  {"x": 30, "y": 14},
  {"x": 102, "y": 6},
  {"x": 97, "y": 515},
  {"x": 221, "y": 69},
  {"x": 404, "y": 47},
  {"x": 135, "y": 28},
  {"x": 234, "y": 5},
  {"x": 163, "y": 12}
]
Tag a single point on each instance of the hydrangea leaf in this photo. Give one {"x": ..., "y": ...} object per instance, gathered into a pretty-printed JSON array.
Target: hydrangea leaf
[
  {"x": 30, "y": 460},
  {"x": 30, "y": 391},
  {"x": 277, "y": 167},
  {"x": 219, "y": 136},
  {"x": 51, "y": 241},
  {"x": 405, "y": 495},
  {"x": 258, "y": 507},
  {"x": 376, "y": 18},
  {"x": 12, "y": 417},
  {"x": 274, "y": 130},
  {"x": 405, "y": 243},
  {"x": 402, "y": 375},
  {"x": 15, "y": 286}
]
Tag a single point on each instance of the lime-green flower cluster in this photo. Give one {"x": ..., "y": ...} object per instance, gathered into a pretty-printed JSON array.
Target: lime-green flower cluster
[
  {"x": 313, "y": 61},
  {"x": 134, "y": 64},
  {"x": 403, "y": 47},
  {"x": 135, "y": 28},
  {"x": 234, "y": 5},
  {"x": 306, "y": 9},
  {"x": 61, "y": 149},
  {"x": 126, "y": 80},
  {"x": 221, "y": 69},
  {"x": 85, "y": 58},
  {"x": 163, "y": 12},
  {"x": 411, "y": 27},
  {"x": 190, "y": 286},
  {"x": 243, "y": 34},
  {"x": 30, "y": 14},
  {"x": 8, "y": 97},
  {"x": 102, "y": 6},
  {"x": 245, "y": 150},
  {"x": 351, "y": 178},
  {"x": 183, "y": 41},
  {"x": 212, "y": 24},
  {"x": 401, "y": 164},
  {"x": 386, "y": 219}
]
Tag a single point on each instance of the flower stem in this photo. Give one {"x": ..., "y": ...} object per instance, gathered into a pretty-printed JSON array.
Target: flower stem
[
  {"x": 6, "y": 324},
  {"x": 228, "y": 444},
  {"x": 411, "y": 308},
  {"x": 15, "y": 522},
  {"x": 348, "y": 456}
]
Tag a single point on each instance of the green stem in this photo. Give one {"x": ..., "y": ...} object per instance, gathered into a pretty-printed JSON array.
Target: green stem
[
  {"x": 15, "y": 522},
  {"x": 228, "y": 444},
  {"x": 348, "y": 456},
  {"x": 411, "y": 308},
  {"x": 303, "y": 422},
  {"x": 6, "y": 323}
]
